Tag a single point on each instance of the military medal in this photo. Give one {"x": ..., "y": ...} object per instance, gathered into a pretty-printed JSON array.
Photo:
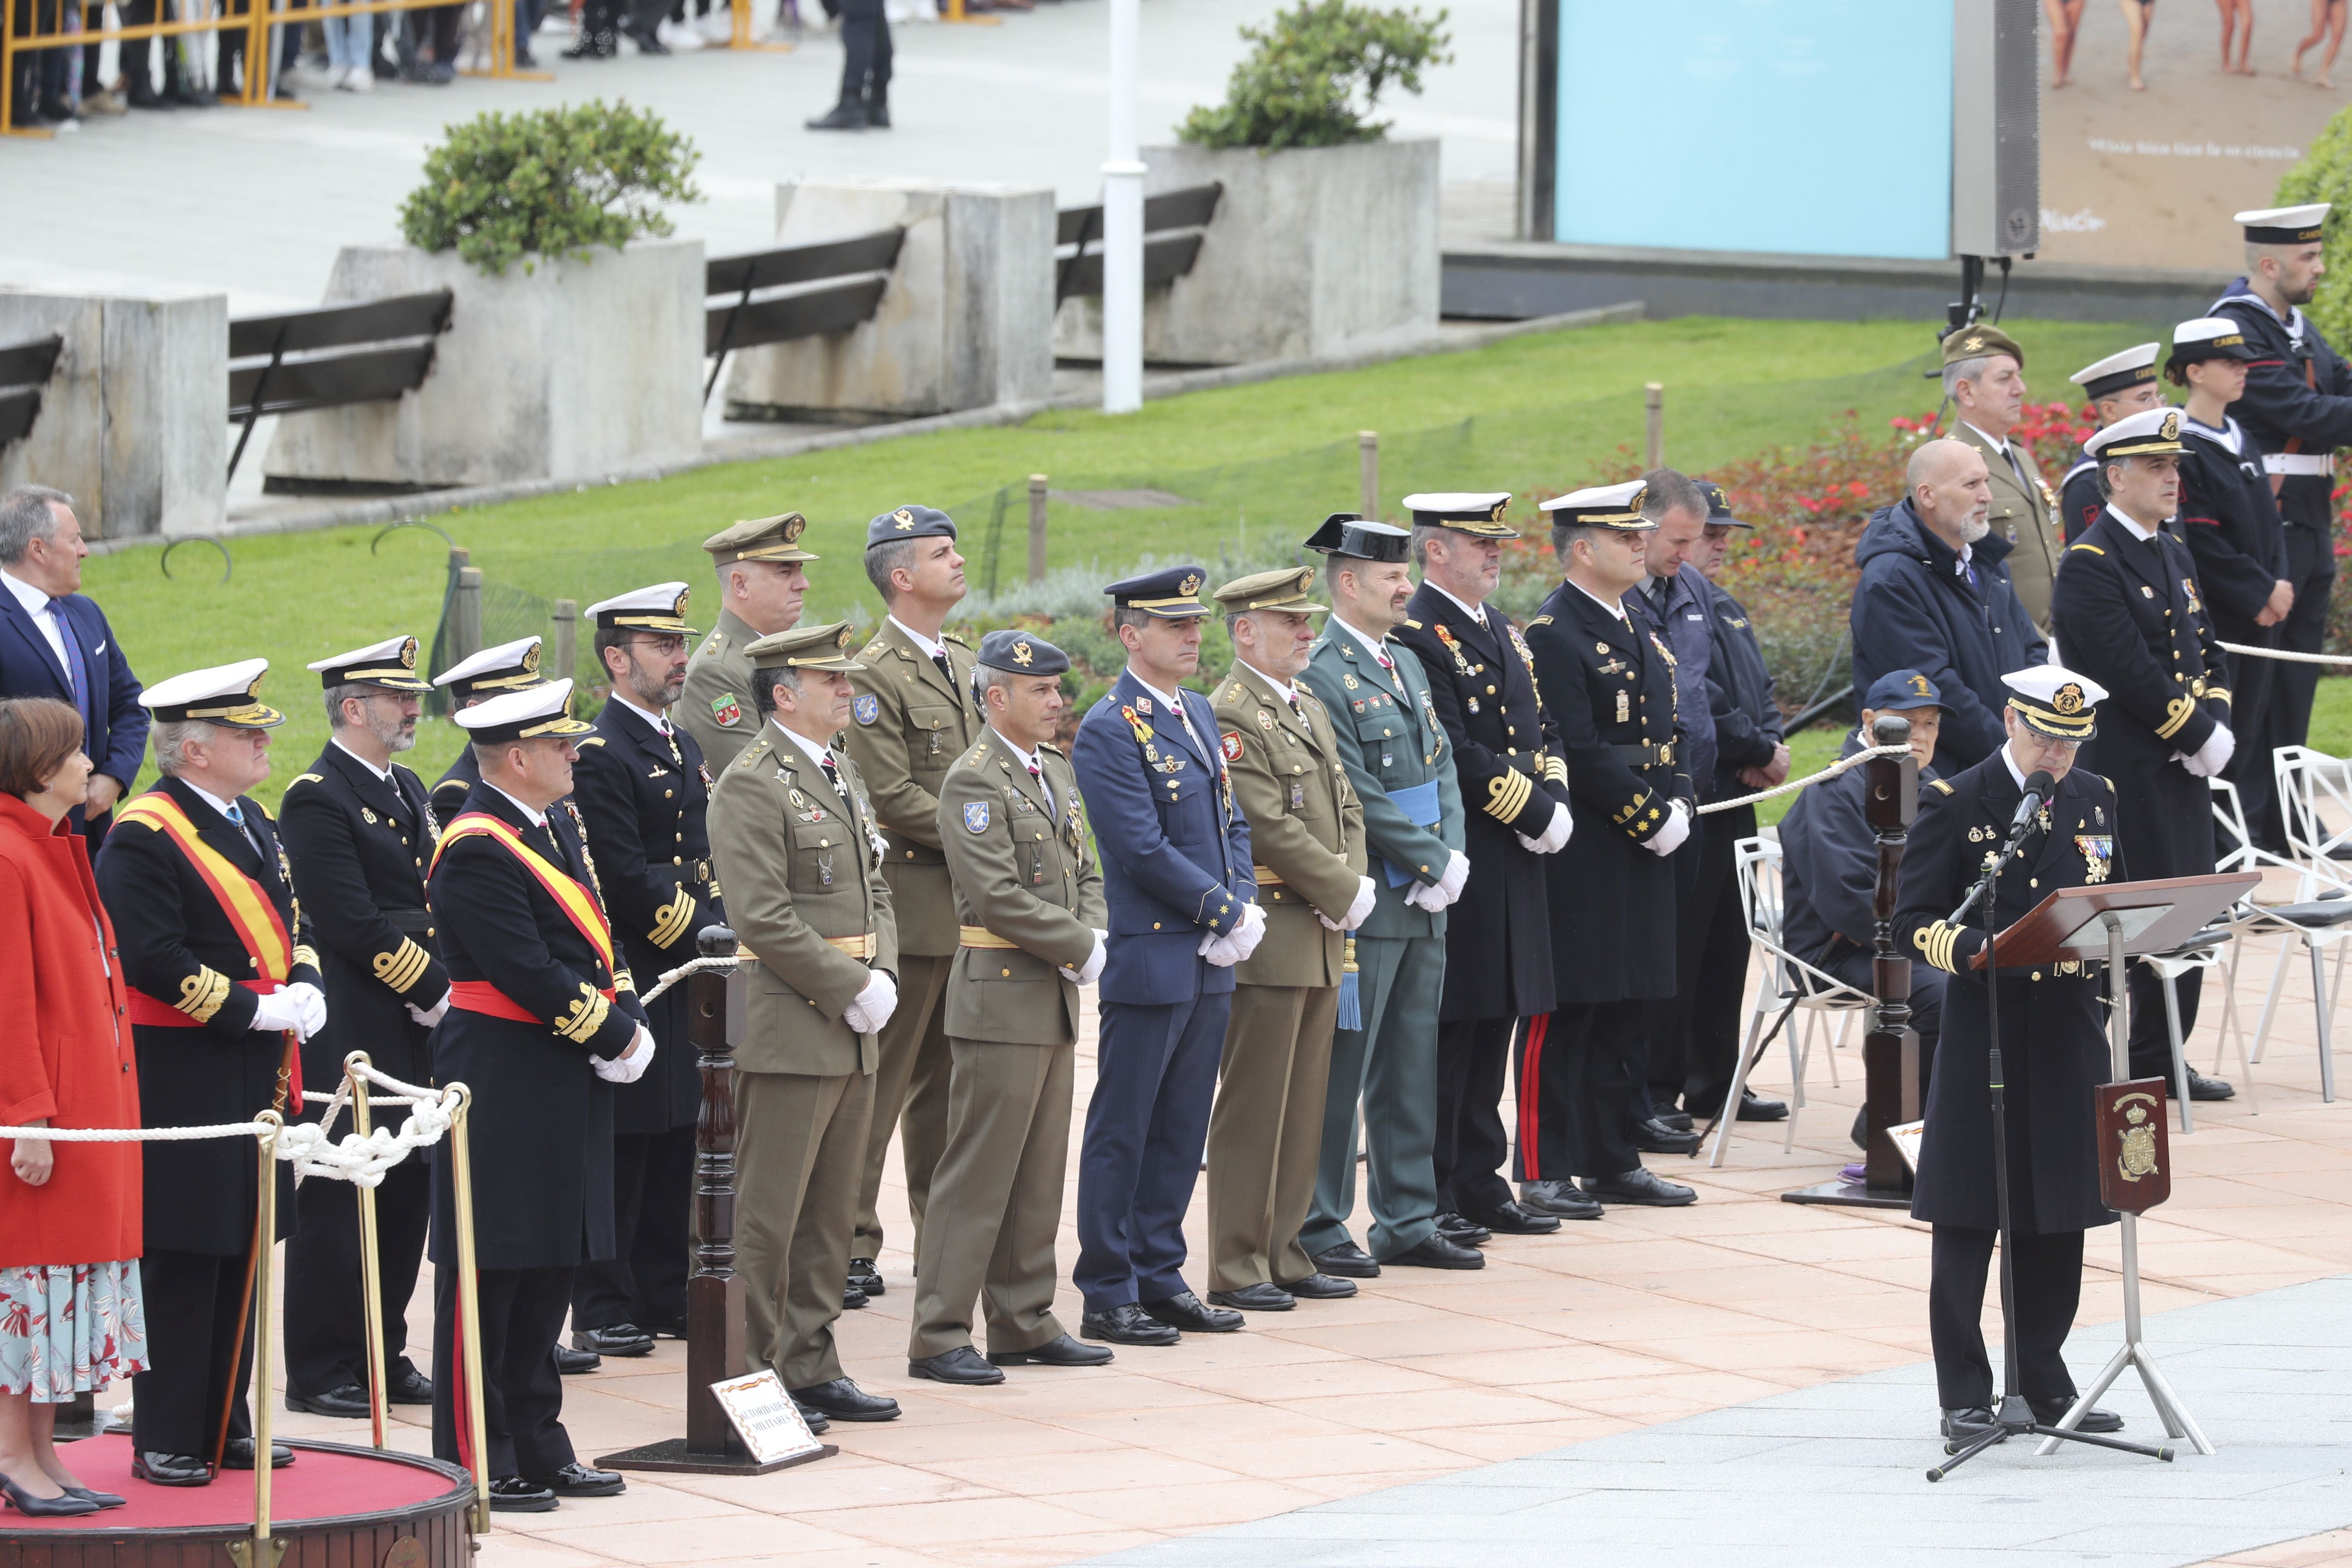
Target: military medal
[
  {"x": 2098, "y": 855},
  {"x": 1298, "y": 795},
  {"x": 825, "y": 870},
  {"x": 1624, "y": 708},
  {"x": 938, "y": 742},
  {"x": 1471, "y": 702},
  {"x": 367, "y": 816}
]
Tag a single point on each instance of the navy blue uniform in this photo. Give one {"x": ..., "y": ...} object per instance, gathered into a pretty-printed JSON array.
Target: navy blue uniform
[{"x": 2232, "y": 522}]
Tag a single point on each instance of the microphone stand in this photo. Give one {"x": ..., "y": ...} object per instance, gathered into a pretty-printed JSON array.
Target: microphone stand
[{"x": 2015, "y": 1418}]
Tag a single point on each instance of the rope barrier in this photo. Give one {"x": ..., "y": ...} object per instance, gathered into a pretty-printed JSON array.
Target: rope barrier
[
  {"x": 1841, "y": 765},
  {"x": 2286, "y": 654},
  {"x": 672, "y": 976}
]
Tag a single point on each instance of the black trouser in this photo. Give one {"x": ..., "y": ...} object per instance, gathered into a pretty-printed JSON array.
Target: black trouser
[
  {"x": 2254, "y": 693},
  {"x": 40, "y": 73},
  {"x": 326, "y": 1338},
  {"x": 2151, "y": 1034},
  {"x": 1473, "y": 1063},
  {"x": 644, "y": 1282},
  {"x": 1694, "y": 1034},
  {"x": 193, "y": 1339},
  {"x": 1585, "y": 1076},
  {"x": 864, "y": 52},
  {"x": 232, "y": 43},
  {"x": 436, "y": 25},
  {"x": 2048, "y": 1271},
  {"x": 522, "y": 1393},
  {"x": 2311, "y": 567}
]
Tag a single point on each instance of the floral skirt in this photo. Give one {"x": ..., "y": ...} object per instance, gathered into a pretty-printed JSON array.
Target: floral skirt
[{"x": 70, "y": 1328}]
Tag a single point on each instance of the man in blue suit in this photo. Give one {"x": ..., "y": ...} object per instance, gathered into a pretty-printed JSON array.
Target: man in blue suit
[
  {"x": 1178, "y": 879},
  {"x": 55, "y": 642}
]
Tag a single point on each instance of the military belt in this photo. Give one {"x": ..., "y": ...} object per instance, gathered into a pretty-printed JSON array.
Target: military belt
[
  {"x": 980, "y": 936},
  {"x": 1268, "y": 878},
  {"x": 2295, "y": 465},
  {"x": 856, "y": 946},
  {"x": 697, "y": 870},
  {"x": 1648, "y": 756}
]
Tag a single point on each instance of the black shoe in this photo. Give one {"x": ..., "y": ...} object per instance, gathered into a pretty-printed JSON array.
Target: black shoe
[
  {"x": 1059, "y": 1350},
  {"x": 513, "y": 1494},
  {"x": 66, "y": 1505},
  {"x": 1319, "y": 1288},
  {"x": 1127, "y": 1324},
  {"x": 2094, "y": 1419},
  {"x": 1348, "y": 1261},
  {"x": 1188, "y": 1313},
  {"x": 1560, "y": 1200},
  {"x": 143, "y": 95},
  {"x": 1258, "y": 1297},
  {"x": 238, "y": 1455},
  {"x": 58, "y": 111},
  {"x": 576, "y": 1480},
  {"x": 1468, "y": 1232},
  {"x": 1680, "y": 1121},
  {"x": 1640, "y": 1186},
  {"x": 349, "y": 1402},
  {"x": 2203, "y": 1088},
  {"x": 1515, "y": 1219},
  {"x": 1959, "y": 1426},
  {"x": 852, "y": 1300},
  {"x": 878, "y": 113},
  {"x": 524, "y": 60},
  {"x": 583, "y": 48},
  {"x": 865, "y": 1275},
  {"x": 572, "y": 1362},
  {"x": 961, "y": 1364},
  {"x": 406, "y": 1385},
  {"x": 1654, "y": 1137},
  {"x": 673, "y": 1330},
  {"x": 845, "y": 117},
  {"x": 617, "y": 1339},
  {"x": 842, "y": 1400},
  {"x": 647, "y": 43},
  {"x": 1755, "y": 1108},
  {"x": 103, "y": 1500},
  {"x": 1435, "y": 1251},
  {"x": 171, "y": 1469}
]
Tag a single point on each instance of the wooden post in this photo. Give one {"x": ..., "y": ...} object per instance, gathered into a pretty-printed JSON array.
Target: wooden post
[
  {"x": 1368, "y": 473},
  {"x": 564, "y": 646},
  {"x": 466, "y": 615},
  {"x": 1036, "y": 528},
  {"x": 1654, "y": 403}
]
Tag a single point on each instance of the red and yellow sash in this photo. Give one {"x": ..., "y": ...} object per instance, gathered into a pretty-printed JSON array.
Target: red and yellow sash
[
  {"x": 246, "y": 901},
  {"x": 579, "y": 906}
]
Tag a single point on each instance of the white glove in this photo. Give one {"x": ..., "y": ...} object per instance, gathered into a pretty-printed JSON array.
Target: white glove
[
  {"x": 428, "y": 1016},
  {"x": 278, "y": 1012},
  {"x": 1248, "y": 932},
  {"x": 1220, "y": 951},
  {"x": 1457, "y": 871},
  {"x": 310, "y": 1003},
  {"x": 1555, "y": 833},
  {"x": 1358, "y": 912},
  {"x": 630, "y": 1065},
  {"x": 1669, "y": 838},
  {"x": 1091, "y": 970},
  {"x": 869, "y": 1012},
  {"x": 2213, "y": 756}
]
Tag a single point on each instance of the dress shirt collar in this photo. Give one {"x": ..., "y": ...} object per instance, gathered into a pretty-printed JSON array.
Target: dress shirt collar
[
  {"x": 536, "y": 818},
  {"x": 1999, "y": 446},
  {"x": 207, "y": 796},
  {"x": 1475, "y": 612},
  {"x": 1615, "y": 609},
  {"x": 1282, "y": 688},
  {"x": 927, "y": 647},
  {"x": 1376, "y": 647},
  {"x": 2016, "y": 774},
  {"x": 1029, "y": 758},
  {"x": 384, "y": 774},
  {"x": 1174, "y": 706},
  {"x": 35, "y": 601},
  {"x": 2131, "y": 527},
  {"x": 658, "y": 723},
  {"x": 815, "y": 752}
]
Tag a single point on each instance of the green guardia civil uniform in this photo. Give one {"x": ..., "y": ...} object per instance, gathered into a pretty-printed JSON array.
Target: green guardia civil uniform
[
  {"x": 716, "y": 706},
  {"x": 1029, "y": 905},
  {"x": 1306, "y": 839},
  {"x": 816, "y": 914}
]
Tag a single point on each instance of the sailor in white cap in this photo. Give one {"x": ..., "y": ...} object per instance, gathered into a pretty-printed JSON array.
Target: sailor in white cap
[
  {"x": 509, "y": 666},
  {"x": 2296, "y": 409},
  {"x": 2121, "y": 384}
]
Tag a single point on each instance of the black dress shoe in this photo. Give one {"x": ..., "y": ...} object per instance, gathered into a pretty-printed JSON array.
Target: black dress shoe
[
  {"x": 1187, "y": 1312},
  {"x": 619, "y": 1339},
  {"x": 1059, "y": 1350},
  {"x": 852, "y": 1300},
  {"x": 576, "y": 1480},
  {"x": 171, "y": 1469},
  {"x": 143, "y": 95},
  {"x": 842, "y": 1400},
  {"x": 1515, "y": 1219},
  {"x": 878, "y": 114},
  {"x": 1127, "y": 1324},
  {"x": 845, "y": 117},
  {"x": 1434, "y": 1251},
  {"x": 349, "y": 1402},
  {"x": 1680, "y": 1121},
  {"x": 103, "y": 1500},
  {"x": 2094, "y": 1419},
  {"x": 865, "y": 1275},
  {"x": 1561, "y": 1200},
  {"x": 513, "y": 1494},
  {"x": 238, "y": 1455},
  {"x": 1962, "y": 1425},
  {"x": 2203, "y": 1088},
  {"x": 65, "y": 1505},
  {"x": 1654, "y": 1137},
  {"x": 1258, "y": 1297},
  {"x": 406, "y": 1385},
  {"x": 1461, "y": 1228},
  {"x": 1640, "y": 1186},
  {"x": 572, "y": 1362},
  {"x": 1319, "y": 1288},
  {"x": 961, "y": 1364},
  {"x": 647, "y": 43},
  {"x": 1348, "y": 1261},
  {"x": 1754, "y": 1107}
]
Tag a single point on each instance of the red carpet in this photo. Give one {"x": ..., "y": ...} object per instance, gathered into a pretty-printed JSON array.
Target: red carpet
[{"x": 319, "y": 1484}]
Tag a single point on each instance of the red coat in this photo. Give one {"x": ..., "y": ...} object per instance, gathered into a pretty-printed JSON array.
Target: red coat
[{"x": 65, "y": 1049}]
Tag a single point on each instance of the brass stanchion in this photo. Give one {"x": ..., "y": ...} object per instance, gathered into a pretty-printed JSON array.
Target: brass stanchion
[
  {"x": 469, "y": 1307},
  {"x": 738, "y": 31},
  {"x": 371, "y": 1265},
  {"x": 502, "y": 48},
  {"x": 262, "y": 1552},
  {"x": 955, "y": 13}
]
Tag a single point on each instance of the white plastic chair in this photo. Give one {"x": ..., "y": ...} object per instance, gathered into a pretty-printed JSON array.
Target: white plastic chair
[{"x": 2313, "y": 789}]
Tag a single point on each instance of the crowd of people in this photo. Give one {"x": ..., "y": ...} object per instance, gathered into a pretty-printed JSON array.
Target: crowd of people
[{"x": 1418, "y": 883}]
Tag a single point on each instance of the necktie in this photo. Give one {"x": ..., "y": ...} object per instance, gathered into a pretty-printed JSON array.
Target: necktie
[
  {"x": 940, "y": 657},
  {"x": 77, "y": 671},
  {"x": 833, "y": 777},
  {"x": 1034, "y": 771},
  {"x": 236, "y": 815}
]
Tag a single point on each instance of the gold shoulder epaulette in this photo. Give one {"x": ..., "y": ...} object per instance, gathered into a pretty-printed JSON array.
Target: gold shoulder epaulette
[
  {"x": 752, "y": 753},
  {"x": 1414, "y": 624},
  {"x": 1939, "y": 784},
  {"x": 304, "y": 778},
  {"x": 1049, "y": 746},
  {"x": 592, "y": 741},
  {"x": 953, "y": 637},
  {"x": 714, "y": 642},
  {"x": 2092, "y": 547},
  {"x": 1540, "y": 621},
  {"x": 267, "y": 814}
]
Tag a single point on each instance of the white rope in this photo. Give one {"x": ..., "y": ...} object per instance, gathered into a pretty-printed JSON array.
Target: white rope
[
  {"x": 2288, "y": 655},
  {"x": 672, "y": 976},
  {"x": 1841, "y": 765}
]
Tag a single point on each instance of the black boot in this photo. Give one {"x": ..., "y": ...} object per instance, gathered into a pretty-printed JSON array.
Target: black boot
[
  {"x": 845, "y": 116},
  {"x": 878, "y": 112}
]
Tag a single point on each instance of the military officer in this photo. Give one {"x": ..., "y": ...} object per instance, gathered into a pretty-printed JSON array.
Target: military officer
[
  {"x": 762, "y": 573},
  {"x": 801, "y": 852},
  {"x": 2053, "y": 1046},
  {"x": 1984, "y": 376},
  {"x": 223, "y": 982},
  {"x": 358, "y": 831},
  {"x": 643, "y": 792},
  {"x": 1514, "y": 785},
  {"x": 2135, "y": 621},
  {"x": 2118, "y": 386},
  {"x": 1307, "y": 832},
  {"x": 544, "y": 1020},
  {"x": 1183, "y": 912},
  {"x": 1612, "y": 890},
  {"x": 1032, "y": 930},
  {"x": 1400, "y": 764},
  {"x": 914, "y": 716},
  {"x": 509, "y": 666}
]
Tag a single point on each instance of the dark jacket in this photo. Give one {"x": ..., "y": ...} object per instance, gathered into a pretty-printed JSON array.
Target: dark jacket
[
  {"x": 450, "y": 790},
  {"x": 2297, "y": 388},
  {"x": 2232, "y": 525},
  {"x": 1748, "y": 724},
  {"x": 1686, "y": 627},
  {"x": 2079, "y": 501},
  {"x": 117, "y": 725},
  {"x": 1916, "y": 609},
  {"x": 1829, "y": 863}
]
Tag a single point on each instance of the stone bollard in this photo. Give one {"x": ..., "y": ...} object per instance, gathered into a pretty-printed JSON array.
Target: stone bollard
[
  {"x": 966, "y": 322},
  {"x": 134, "y": 421}
]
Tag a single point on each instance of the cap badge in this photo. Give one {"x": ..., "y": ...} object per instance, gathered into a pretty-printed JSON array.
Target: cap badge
[
  {"x": 408, "y": 653},
  {"x": 793, "y": 526},
  {"x": 1306, "y": 578},
  {"x": 1190, "y": 585},
  {"x": 530, "y": 659},
  {"x": 1023, "y": 654},
  {"x": 841, "y": 642},
  {"x": 2069, "y": 699},
  {"x": 902, "y": 520},
  {"x": 2171, "y": 431},
  {"x": 1496, "y": 514},
  {"x": 1919, "y": 684}
]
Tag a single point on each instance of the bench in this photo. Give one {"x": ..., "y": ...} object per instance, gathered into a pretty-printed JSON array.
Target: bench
[
  {"x": 831, "y": 286},
  {"x": 25, "y": 369},
  {"x": 331, "y": 357},
  {"x": 1172, "y": 223}
]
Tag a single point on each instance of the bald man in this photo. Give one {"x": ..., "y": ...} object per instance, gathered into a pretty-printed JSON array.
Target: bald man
[{"x": 1935, "y": 597}]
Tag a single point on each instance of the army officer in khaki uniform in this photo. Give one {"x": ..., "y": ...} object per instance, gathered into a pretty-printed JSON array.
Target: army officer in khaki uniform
[
  {"x": 1307, "y": 836},
  {"x": 913, "y": 717},
  {"x": 762, "y": 573},
  {"x": 800, "y": 856},
  {"x": 1984, "y": 376},
  {"x": 1029, "y": 896}
]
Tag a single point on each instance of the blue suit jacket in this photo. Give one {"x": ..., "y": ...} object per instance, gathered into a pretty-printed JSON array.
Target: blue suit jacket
[
  {"x": 1175, "y": 852},
  {"x": 29, "y": 668}
]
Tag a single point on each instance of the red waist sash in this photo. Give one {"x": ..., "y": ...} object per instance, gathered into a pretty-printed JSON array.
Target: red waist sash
[
  {"x": 156, "y": 1013},
  {"x": 482, "y": 997}
]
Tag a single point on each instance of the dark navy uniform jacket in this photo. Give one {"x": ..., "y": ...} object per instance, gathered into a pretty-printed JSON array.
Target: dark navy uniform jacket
[
  {"x": 1829, "y": 863},
  {"x": 2296, "y": 387},
  {"x": 2079, "y": 501},
  {"x": 2233, "y": 526},
  {"x": 1739, "y": 686},
  {"x": 1175, "y": 849},
  {"x": 1686, "y": 627}
]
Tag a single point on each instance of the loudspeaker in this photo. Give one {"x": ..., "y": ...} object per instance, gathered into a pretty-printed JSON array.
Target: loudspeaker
[{"x": 1996, "y": 127}]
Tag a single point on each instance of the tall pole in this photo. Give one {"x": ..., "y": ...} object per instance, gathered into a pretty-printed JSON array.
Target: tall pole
[{"x": 1123, "y": 223}]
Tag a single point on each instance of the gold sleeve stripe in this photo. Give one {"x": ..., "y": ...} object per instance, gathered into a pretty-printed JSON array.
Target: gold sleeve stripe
[
  {"x": 1556, "y": 769},
  {"x": 625, "y": 981},
  {"x": 584, "y": 1018},
  {"x": 202, "y": 993},
  {"x": 403, "y": 967},
  {"x": 2176, "y": 713},
  {"x": 1507, "y": 795},
  {"x": 308, "y": 954},
  {"x": 671, "y": 922},
  {"x": 2222, "y": 692}
]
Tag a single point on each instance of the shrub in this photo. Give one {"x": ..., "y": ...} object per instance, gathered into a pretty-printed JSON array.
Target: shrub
[
  {"x": 1299, "y": 87},
  {"x": 2326, "y": 175},
  {"x": 553, "y": 182}
]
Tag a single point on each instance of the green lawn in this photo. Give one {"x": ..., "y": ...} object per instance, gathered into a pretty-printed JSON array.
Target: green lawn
[{"x": 1252, "y": 467}]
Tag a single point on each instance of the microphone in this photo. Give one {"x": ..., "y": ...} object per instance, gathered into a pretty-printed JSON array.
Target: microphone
[{"x": 2038, "y": 786}]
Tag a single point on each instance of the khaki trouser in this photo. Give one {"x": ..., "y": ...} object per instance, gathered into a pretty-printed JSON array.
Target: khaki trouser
[
  {"x": 911, "y": 1095},
  {"x": 797, "y": 1141},
  {"x": 997, "y": 1201},
  {"x": 1266, "y": 1132}
]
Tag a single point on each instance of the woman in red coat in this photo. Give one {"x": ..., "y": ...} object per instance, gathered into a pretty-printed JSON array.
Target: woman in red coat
[{"x": 70, "y": 1317}]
